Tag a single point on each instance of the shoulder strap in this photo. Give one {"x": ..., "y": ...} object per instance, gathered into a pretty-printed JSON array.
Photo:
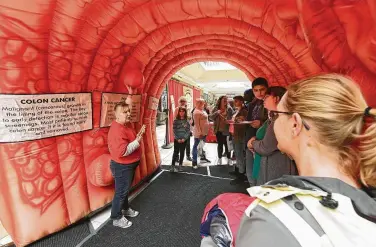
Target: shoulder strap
[{"x": 283, "y": 203}]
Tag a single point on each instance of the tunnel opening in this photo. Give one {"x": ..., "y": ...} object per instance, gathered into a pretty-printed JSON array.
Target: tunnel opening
[{"x": 193, "y": 80}]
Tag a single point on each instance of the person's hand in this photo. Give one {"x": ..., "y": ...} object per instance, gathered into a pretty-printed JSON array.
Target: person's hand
[
  {"x": 250, "y": 143},
  {"x": 240, "y": 119},
  {"x": 256, "y": 124},
  {"x": 142, "y": 130},
  {"x": 140, "y": 133},
  {"x": 201, "y": 137},
  {"x": 219, "y": 111}
]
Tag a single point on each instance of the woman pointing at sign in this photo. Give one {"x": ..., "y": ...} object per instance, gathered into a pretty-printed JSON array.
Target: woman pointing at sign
[{"x": 123, "y": 143}]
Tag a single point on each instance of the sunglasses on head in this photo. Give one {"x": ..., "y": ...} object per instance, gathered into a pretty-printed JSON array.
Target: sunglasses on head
[{"x": 275, "y": 115}]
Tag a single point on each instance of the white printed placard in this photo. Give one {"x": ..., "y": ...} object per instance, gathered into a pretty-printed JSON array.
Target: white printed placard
[
  {"x": 109, "y": 101},
  {"x": 153, "y": 103},
  {"x": 38, "y": 116}
]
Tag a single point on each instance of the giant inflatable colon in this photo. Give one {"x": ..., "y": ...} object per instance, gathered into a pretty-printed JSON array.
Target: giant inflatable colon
[{"x": 135, "y": 46}]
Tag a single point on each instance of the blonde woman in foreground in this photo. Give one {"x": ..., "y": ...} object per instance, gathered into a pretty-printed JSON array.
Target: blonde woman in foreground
[{"x": 321, "y": 124}]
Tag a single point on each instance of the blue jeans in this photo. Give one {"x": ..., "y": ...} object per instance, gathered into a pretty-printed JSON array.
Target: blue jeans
[
  {"x": 123, "y": 175},
  {"x": 239, "y": 150},
  {"x": 194, "y": 149}
]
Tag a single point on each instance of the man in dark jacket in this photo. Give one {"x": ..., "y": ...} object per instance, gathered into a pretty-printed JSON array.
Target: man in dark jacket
[{"x": 257, "y": 114}]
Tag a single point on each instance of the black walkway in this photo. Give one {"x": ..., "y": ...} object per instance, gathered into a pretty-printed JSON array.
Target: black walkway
[{"x": 170, "y": 212}]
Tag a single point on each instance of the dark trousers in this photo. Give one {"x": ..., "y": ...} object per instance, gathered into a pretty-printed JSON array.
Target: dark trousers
[
  {"x": 188, "y": 147},
  {"x": 178, "y": 152},
  {"x": 123, "y": 175},
  {"x": 222, "y": 140}
]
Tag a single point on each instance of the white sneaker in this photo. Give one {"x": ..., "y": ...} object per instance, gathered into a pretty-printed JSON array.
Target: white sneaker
[
  {"x": 130, "y": 213},
  {"x": 122, "y": 222},
  {"x": 229, "y": 162},
  {"x": 219, "y": 162}
]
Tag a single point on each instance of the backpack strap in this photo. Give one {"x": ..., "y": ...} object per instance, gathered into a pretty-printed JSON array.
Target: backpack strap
[
  {"x": 283, "y": 203},
  {"x": 297, "y": 205}
]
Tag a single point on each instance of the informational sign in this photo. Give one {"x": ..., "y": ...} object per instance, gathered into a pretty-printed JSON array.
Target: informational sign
[
  {"x": 109, "y": 101},
  {"x": 188, "y": 93},
  {"x": 153, "y": 103},
  {"x": 37, "y": 116}
]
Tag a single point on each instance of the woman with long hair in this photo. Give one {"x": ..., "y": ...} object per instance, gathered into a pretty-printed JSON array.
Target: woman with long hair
[
  {"x": 269, "y": 162},
  {"x": 221, "y": 113},
  {"x": 181, "y": 128}
]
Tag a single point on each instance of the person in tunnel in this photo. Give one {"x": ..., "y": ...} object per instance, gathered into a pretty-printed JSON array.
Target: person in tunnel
[
  {"x": 200, "y": 147},
  {"x": 200, "y": 128},
  {"x": 269, "y": 162},
  {"x": 183, "y": 103},
  {"x": 181, "y": 129},
  {"x": 221, "y": 113},
  {"x": 123, "y": 144},
  {"x": 326, "y": 126},
  {"x": 248, "y": 97},
  {"x": 257, "y": 115},
  {"x": 201, "y": 150},
  {"x": 238, "y": 133}
]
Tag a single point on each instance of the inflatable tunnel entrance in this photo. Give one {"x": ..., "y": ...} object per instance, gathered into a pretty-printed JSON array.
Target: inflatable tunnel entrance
[{"x": 63, "y": 63}]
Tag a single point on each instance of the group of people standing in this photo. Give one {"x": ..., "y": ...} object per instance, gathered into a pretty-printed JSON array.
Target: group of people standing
[
  {"x": 250, "y": 127},
  {"x": 187, "y": 123},
  {"x": 326, "y": 126},
  {"x": 323, "y": 123}
]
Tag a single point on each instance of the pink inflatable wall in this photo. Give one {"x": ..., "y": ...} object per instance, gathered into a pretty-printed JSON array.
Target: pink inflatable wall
[{"x": 68, "y": 48}]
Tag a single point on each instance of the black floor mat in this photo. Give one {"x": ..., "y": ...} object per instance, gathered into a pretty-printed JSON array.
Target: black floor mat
[
  {"x": 221, "y": 171},
  {"x": 170, "y": 213},
  {"x": 68, "y": 237},
  {"x": 199, "y": 170}
]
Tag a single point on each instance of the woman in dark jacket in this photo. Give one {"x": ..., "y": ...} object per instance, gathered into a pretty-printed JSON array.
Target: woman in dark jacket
[{"x": 269, "y": 162}]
